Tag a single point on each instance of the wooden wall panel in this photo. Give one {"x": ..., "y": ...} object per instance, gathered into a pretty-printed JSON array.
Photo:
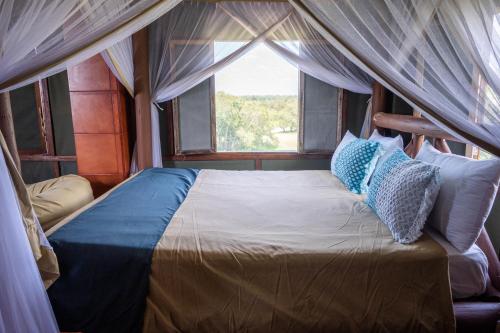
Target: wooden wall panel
[
  {"x": 98, "y": 107},
  {"x": 95, "y": 112}
]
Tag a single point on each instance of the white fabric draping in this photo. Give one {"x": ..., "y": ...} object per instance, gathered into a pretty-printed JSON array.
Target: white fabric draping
[
  {"x": 120, "y": 60},
  {"x": 183, "y": 52},
  {"x": 39, "y": 38},
  {"x": 442, "y": 57},
  {"x": 24, "y": 305},
  {"x": 309, "y": 51}
]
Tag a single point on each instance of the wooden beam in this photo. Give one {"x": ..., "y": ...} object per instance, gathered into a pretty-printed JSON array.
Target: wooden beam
[
  {"x": 225, "y": 156},
  {"x": 7, "y": 127},
  {"x": 142, "y": 99},
  {"x": 417, "y": 140},
  {"x": 441, "y": 145},
  {"x": 410, "y": 124},
  {"x": 43, "y": 106},
  {"x": 378, "y": 102},
  {"x": 48, "y": 158}
]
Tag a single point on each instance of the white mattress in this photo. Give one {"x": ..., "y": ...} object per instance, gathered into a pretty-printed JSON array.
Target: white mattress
[{"x": 468, "y": 271}]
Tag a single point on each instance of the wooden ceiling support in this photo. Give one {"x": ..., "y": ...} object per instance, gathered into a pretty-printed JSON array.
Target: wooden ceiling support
[
  {"x": 7, "y": 127},
  {"x": 142, "y": 99}
]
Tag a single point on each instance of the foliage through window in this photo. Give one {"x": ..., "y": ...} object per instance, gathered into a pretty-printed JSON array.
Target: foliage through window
[{"x": 256, "y": 101}]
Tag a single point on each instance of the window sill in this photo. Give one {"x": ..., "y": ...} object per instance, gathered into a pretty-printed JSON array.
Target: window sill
[{"x": 221, "y": 156}]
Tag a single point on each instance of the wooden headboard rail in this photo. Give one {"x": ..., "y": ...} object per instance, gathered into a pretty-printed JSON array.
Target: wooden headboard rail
[
  {"x": 420, "y": 127},
  {"x": 410, "y": 124}
]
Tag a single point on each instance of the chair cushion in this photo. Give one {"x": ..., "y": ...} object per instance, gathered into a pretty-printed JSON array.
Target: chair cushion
[{"x": 55, "y": 199}]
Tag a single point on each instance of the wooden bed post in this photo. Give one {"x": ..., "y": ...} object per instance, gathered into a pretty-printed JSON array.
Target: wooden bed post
[
  {"x": 142, "y": 99},
  {"x": 7, "y": 127},
  {"x": 378, "y": 102},
  {"x": 416, "y": 139},
  {"x": 341, "y": 114}
]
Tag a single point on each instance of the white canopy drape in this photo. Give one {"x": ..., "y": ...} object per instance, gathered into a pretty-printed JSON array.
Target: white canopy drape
[
  {"x": 183, "y": 50},
  {"x": 39, "y": 38},
  {"x": 24, "y": 305},
  {"x": 442, "y": 57}
]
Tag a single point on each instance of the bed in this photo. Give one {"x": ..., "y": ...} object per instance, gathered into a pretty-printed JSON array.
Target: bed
[{"x": 254, "y": 251}]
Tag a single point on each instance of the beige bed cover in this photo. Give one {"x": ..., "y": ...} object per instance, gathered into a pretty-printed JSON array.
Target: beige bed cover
[{"x": 291, "y": 251}]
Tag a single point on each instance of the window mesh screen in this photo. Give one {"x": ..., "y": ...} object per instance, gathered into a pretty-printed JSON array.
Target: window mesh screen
[
  {"x": 194, "y": 110},
  {"x": 320, "y": 115}
]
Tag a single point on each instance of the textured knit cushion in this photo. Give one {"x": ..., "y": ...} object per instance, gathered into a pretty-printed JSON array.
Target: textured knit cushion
[
  {"x": 355, "y": 164},
  {"x": 467, "y": 194},
  {"x": 348, "y": 138},
  {"x": 389, "y": 145},
  {"x": 402, "y": 193}
]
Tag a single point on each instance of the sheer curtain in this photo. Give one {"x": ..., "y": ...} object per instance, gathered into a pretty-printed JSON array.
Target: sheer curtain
[
  {"x": 39, "y": 38},
  {"x": 182, "y": 52},
  {"x": 120, "y": 60},
  {"x": 24, "y": 305},
  {"x": 300, "y": 44},
  {"x": 440, "y": 56},
  {"x": 184, "y": 49}
]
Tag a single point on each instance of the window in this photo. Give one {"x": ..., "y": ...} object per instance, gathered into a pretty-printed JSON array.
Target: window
[
  {"x": 43, "y": 129},
  {"x": 258, "y": 107},
  {"x": 256, "y": 101}
]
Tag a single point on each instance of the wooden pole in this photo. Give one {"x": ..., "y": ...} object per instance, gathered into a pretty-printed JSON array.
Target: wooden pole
[
  {"x": 417, "y": 140},
  {"x": 378, "y": 102},
  {"x": 7, "y": 127},
  {"x": 142, "y": 99},
  {"x": 410, "y": 124},
  {"x": 341, "y": 114}
]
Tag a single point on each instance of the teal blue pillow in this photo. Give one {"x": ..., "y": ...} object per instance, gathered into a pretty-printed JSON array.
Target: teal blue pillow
[{"x": 355, "y": 164}]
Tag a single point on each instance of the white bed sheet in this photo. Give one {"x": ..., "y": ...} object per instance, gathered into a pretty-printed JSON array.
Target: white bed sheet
[{"x": 468, "y": 270}]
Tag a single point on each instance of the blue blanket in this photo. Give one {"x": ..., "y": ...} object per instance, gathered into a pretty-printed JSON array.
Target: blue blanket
[{"x": 105, "y": 253}]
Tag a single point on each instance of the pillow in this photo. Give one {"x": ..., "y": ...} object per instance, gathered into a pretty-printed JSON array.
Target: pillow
[
  {"x": 348, "y": 137},
  {"x": 355, "y": 163},
  {"x": 402, "y": 193},
  {"x": 388, "y": 144},
  {"x": 467, "y": 194}
]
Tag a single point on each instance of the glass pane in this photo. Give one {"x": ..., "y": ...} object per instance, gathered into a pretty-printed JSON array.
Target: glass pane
[{"x": 256, "y": 101}]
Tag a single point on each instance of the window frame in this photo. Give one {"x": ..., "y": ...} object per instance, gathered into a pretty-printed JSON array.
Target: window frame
[
  {"x": 47, "y": 153},
  {"x": 175, "y": 153},
  {"x": 175, "y": 105}
]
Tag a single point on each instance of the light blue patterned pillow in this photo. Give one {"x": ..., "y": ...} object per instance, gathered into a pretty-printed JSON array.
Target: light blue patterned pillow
[
  {"x": 355, "y": 164},
  {"x": 402, "y": 193}
]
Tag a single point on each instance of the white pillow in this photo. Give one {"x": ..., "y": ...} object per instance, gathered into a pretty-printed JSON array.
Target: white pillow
[
  {"x": 389, "y": 145},
  {"x": 348, "y": 137},
  {"x": 468, "y": 190}
]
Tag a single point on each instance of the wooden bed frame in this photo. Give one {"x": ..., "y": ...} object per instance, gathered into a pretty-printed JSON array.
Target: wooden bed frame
[{"x": 480, "y": 314}]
